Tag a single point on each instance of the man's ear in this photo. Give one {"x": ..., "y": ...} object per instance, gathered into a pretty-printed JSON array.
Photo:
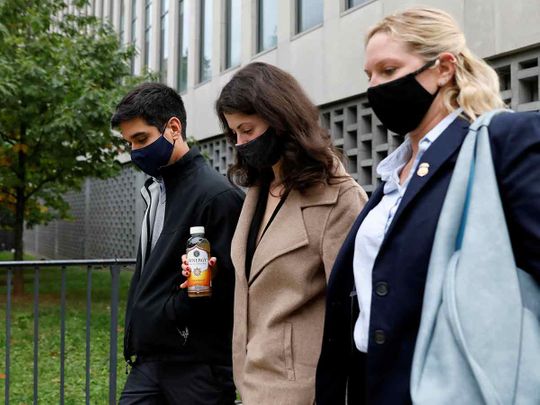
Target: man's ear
[{"x": 176, "y": 128}]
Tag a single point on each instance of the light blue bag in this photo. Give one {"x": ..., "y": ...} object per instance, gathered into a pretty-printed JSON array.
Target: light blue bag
[{"x": 479, "y": 338}]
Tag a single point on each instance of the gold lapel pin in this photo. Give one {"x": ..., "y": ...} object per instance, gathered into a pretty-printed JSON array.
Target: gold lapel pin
[{"x": 423, "y": 169}]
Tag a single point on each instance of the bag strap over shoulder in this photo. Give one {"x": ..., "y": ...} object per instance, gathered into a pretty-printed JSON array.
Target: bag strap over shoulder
[{"x": 481, "y": 123}]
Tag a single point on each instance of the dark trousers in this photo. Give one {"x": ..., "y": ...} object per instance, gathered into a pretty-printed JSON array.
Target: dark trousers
[{"x": 173, "y": 382}]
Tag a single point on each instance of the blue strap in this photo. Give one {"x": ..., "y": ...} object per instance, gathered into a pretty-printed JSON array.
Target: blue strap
[
  {"x": 481, "y": 122},
  {"x": 461, "y": 231}
]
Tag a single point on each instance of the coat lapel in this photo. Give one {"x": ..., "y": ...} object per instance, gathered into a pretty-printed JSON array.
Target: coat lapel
[
  {"x": 239, "y": 242},
  {"x": 436, "y": 155},
  {"x": 288, "y": 231}
]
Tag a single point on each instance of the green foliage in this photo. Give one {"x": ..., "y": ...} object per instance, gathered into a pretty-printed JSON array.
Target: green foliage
[{"x": 59, "y": 82}]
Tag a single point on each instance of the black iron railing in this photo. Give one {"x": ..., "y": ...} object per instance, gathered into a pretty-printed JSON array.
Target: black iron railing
[{"x": 115, "y": 266}]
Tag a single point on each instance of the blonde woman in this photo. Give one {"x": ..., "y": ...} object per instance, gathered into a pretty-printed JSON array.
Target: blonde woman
[{"x": 423, "y": 82}]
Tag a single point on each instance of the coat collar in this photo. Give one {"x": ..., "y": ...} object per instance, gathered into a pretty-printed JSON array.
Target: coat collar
[
  {"x": 286, "y": 233},
  {"x": 176, "y": 172}
]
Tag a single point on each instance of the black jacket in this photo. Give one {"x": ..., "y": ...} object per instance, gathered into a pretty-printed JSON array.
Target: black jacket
[{"x": 161, "y": 320}]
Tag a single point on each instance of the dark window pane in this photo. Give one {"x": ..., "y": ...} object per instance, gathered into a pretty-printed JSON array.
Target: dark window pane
[
  {"x": 122, "y": 22},
  {"x": 147, "y": 32},
  {"x": 309, "y": 14},
  {"x": 182, "y": 42},
  {"x": 354, "y": 3},
  {"x": 205, "y": 54},
  {"x": 267, "y": 29},
  {"x": 164, "y": 40},
  {"x": 134, "y": 4},
  {"x": 233, "y": 33}
]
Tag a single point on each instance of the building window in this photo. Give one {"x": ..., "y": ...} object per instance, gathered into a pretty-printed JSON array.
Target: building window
[
  {"x": 267, "y": 24},
  {"x": 122, "y": 34},
  {"x": 164, "y": 40},
  {"x": 147, "y": 31},
  {"x": 111, "y": 10},
  {"x": 353, "y": 3},
  {"x": 183, "y": 46},
  {"x": 232, "y": 37},
  {"x": 205, "y": 44},
  {"x": 134, "y": 10},
  {"x": 309, "y": 13}
]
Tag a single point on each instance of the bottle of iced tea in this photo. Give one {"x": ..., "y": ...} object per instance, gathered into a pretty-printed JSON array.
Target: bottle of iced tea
[{"x": 198, "y": 254}]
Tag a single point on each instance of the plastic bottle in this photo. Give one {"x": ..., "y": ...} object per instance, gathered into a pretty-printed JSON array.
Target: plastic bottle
[{"x": 198, "y": 254}]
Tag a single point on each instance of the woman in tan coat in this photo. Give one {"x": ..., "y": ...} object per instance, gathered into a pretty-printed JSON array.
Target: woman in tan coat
[{"x": 299, "y": 207}]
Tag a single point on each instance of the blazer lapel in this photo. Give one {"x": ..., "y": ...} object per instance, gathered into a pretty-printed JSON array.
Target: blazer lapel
[
  {"x": 287, "y": 232},
  {"x": 436, "y": 155}
]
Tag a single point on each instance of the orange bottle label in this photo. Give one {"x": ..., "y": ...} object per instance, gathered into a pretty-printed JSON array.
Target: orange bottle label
[{"x": 200, "y": 277}]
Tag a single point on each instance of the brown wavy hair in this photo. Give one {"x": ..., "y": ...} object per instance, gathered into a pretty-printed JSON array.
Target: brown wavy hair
[{"x": 308, "y": 156}]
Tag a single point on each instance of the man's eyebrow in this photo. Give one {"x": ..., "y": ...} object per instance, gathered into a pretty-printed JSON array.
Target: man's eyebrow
[{"x": 137, "y": 134}]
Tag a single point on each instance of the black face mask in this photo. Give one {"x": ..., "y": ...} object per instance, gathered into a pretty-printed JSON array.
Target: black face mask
[
  {"x": 262, "y": 152},
  {"x": 401, "y": 104}
]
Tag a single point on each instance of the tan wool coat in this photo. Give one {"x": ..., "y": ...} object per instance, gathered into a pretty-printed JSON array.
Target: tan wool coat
[{"x": 279, "y": 311}]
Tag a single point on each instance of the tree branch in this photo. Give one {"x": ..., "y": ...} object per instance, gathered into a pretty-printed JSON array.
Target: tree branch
[
  {"x": 41, "y": 184},
  {"x": 7, "y": 139},
  {"x": 4, "y": 190}
]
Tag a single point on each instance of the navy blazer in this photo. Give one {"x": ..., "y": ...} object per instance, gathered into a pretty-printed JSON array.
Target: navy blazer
[{"x": 400, "y": 269}]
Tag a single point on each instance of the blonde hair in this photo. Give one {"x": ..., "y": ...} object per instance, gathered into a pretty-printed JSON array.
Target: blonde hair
[{"x": 429, "y": 32}]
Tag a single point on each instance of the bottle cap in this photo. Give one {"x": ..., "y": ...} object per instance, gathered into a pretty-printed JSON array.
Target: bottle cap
[{"x": 194, "y": 230}]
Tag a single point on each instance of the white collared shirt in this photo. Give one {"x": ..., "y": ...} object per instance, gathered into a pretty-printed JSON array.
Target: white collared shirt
[{"x": 375, "y": 225}]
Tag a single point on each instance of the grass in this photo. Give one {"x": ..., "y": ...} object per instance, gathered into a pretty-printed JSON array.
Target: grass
[{"x": 22, "y": 335}]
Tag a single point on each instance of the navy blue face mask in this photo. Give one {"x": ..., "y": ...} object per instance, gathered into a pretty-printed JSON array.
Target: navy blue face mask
[{"x": 150, "y": 158}]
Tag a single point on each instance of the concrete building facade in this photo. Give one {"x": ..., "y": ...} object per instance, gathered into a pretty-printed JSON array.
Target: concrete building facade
[{"x": 197, "y": 45}]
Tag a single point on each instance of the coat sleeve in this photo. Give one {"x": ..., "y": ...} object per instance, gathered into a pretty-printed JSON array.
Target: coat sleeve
[
  {"x": 515, "y": 141},
  {"x": 339, "y": 222},
  {"x": 220, "y": 216}
]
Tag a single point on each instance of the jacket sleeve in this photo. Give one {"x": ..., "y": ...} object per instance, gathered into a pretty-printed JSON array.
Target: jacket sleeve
[
  {"x": 339, "y": 222},
  {"x": 515, "y": 141},
  {"x": 219, "y": 216}
]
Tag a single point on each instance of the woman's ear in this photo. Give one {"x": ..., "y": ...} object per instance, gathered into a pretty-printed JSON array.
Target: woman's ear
[{"x": 446, "y": 68}]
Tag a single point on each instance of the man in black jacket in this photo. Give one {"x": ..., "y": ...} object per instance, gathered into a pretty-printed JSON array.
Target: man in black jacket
[{"x": 179, "y": 348}]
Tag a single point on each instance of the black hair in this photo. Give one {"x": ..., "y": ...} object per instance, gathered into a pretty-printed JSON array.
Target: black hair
[{"x": 156, "y": 103}]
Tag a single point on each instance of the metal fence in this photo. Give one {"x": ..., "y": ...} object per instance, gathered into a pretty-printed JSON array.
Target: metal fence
[{"x": 37, "y": 267}]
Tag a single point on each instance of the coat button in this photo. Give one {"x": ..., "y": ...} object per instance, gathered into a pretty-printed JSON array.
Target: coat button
[
  {"x": 380, "y": 337},
  {"x": 381, "y": 288}
]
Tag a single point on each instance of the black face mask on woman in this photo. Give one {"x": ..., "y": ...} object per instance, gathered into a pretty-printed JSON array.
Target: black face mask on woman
[
  {"x": 401, "y": 104},
  {"x": 262, "y": 152}
]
